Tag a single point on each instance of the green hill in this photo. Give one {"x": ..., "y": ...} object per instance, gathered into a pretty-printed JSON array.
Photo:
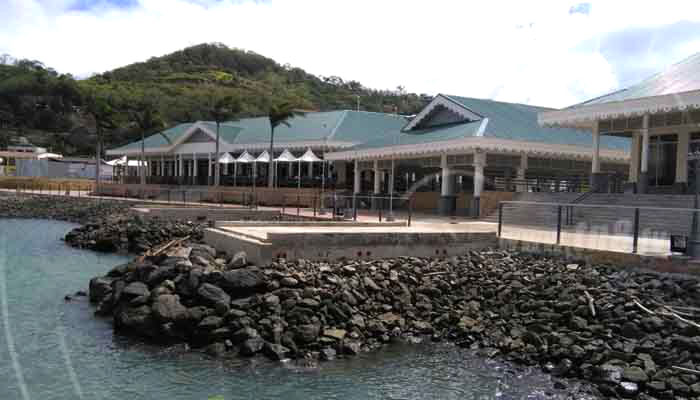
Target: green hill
[{"x": 38, "y": 103}]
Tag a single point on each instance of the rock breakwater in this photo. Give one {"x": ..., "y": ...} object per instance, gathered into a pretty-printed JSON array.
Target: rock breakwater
[{"x": 631, "y": 333}]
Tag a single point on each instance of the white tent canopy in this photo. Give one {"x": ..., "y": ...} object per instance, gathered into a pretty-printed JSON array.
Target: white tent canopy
[
  {"x": 245, "y": 158},
  {"x": 122, "y": 161},
  {"x": 264, "y": 157},
  {"x": 227, "y": 158},
  {"x": 49, "y": 155},
  {"x": 286, "y": 156},
  {"x": 309, "y": 156}
]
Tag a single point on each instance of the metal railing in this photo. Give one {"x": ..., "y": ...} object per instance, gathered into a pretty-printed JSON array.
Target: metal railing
[
  {"x": 332, "y": 205},
  {"x": 348, "y": 207},
  {"x": 626, "y": 229}
]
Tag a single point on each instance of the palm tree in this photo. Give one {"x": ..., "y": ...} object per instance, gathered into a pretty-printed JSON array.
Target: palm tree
[
  {"x": 147, "y": 117},
  {"x": 224, "y": 109},
  {"x": 279, "y": 114},
  {"x": 102, "y": 112}
]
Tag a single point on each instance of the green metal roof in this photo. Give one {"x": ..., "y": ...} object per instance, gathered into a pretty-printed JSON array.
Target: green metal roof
[
  {"x": 399, "y": 137},
  {"x": 363, "y": 126},
  {"x": 157, "y": 140},
  {"x": 344, "y": 126},
  {"x": 510, "y": 121},
  {"x": 515, "y": 121},
  {"x": 681, "y": 77}
]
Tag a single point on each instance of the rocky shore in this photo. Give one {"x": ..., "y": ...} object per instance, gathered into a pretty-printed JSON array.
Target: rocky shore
[
  {"x": 629, "y": 332},
  {"x": 107, "y": 226}
]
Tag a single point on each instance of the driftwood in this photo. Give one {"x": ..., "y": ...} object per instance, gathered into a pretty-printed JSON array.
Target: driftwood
[
  {"x": 162, "y": 248},
  {"x": 688, "y": 370},
  {"x": 591, "y": 303},
  {"x": 648, "y": 311}
]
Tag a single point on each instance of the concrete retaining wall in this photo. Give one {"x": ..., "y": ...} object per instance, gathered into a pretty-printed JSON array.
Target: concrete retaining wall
[
  {"x": 347, "y": 245},
  {"x": 673, "y": 264},
  {"x": 212, "y": 214}
]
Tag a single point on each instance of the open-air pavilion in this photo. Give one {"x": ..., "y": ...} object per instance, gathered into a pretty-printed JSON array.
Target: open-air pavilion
[
  {"x": 661, "y": 116},
  {"x": 185, "y": 154},
  {"x": 458, "y": 147}
]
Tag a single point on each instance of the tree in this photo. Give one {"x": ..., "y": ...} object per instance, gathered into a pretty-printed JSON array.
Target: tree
[
  {"x": 147, "y": 118},
  {"x": 102, "y": 111},
  {"x": 279, "y": 113},
  {"x": 223, "y": 109}
]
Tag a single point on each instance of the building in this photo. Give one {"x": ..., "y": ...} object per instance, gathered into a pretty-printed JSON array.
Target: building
[
  {"x": 185, "y": 154},
  {"x": 661, "y": 116},
  {"x": 467, "y": 145},
  {"x": 448, "y": 154}
]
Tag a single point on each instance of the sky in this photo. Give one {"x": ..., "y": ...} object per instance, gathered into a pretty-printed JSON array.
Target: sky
[{"x": 544, "y": 52}]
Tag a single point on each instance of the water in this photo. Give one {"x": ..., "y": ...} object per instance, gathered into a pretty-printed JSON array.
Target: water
[{"x": 52, "y": 349}]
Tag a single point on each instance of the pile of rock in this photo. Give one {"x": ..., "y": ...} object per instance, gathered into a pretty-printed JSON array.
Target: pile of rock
[
  {"x": 72, "y": 209},
  {"x": 132, "y": 233},
  {"x": 629, "y": 332}
]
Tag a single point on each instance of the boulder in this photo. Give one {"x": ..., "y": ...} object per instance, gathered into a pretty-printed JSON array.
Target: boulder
[
  {"x": 99, "y": 288},
  {"x": 135, "y": 289},
  {"x": 307, "y": 333},
  {"x": 252, "y": 346},
  {"x": 239, "y": 260},
  {"x": 167, "y": 308},
  {"x": 243, "y": 282},
  {"x": 212, "y": 295},
  {"x": 276, "y": 352}
]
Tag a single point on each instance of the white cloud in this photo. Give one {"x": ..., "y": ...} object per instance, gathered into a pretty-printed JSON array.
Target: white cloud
[{"x": 510, "y": 50}]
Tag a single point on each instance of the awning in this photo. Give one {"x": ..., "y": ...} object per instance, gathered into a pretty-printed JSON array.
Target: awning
[
  {"x": 227, "y": 158},
  {"x": 286, "y": 156},
  {"x": 264, "y": 157},
  {"x": 309, "y": 156},
  {"x": 122, "y": 161},
  {"x": 245, "y": 158}
]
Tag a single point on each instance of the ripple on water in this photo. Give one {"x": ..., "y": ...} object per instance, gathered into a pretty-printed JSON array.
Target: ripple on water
[{"x": 40, "y": 270}]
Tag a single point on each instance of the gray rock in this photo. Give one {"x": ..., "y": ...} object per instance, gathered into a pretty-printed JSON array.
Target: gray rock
[
  {"x": 135, "y": 289},
  {"x": 276, "y": 352},
  {"x": 244, "y": 334},
  {"x": 100, "y": 287},
  {"x": 167, "y": 308},
  {"x": 243, "y": 282},
  {"x": 327, "y": 354},
  {"x": 634, "y": 374},
  {"x": 252, "y": 346},
  {"x": 239, "y": 260},
  {"x": 211, "y": 295},
  {"x": 217, "y": 349},
  {"x": 307, "y": 333}
]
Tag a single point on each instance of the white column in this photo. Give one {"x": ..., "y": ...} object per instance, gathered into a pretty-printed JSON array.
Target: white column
[
  {"x": 356, "y": 186},
  {"x": 208, "y": 166},
  {"x": 377, "y": 181},
  {"x": 311, "y": 170},
  {"x": 446, "y": 188},
  {"x": 182, "y": 167},
  {"x": 391, "y": 178},
  {"x": 479, "y": 164},
  {"x": 162, "y": 165},
  {"x": 595, "y": 164},
  {"x": 194, "y": 166},
  {"x": 682, "y": 157},
  {"x": 634, "y": 158},
  {"x": 521, "y": 187},
  {"x": 645, "y": 144}
]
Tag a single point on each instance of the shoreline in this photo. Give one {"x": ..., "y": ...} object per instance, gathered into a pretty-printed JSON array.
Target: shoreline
[{"x": 614, "y": 328}]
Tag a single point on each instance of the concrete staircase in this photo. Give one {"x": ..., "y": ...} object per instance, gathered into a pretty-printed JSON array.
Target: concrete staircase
[
  {"x": 620, "y": 220},
  {"x": 532, "y": 213}
]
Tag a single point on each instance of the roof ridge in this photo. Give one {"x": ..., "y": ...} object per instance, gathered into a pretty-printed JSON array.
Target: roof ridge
[
  {"x": 337, "y": 125},
  {"x": 497, "y": 101}
]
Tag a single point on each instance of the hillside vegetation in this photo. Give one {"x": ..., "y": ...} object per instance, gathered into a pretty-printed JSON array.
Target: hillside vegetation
[{"x": 48, "y": 107}]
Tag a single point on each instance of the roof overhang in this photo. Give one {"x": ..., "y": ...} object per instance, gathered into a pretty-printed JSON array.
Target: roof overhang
[
  {"x": 584, "y": 116},
  {"x": 172, "y": 146},
  {"x": 442, "y": 101},
  {"x": 471, "y": 144}
]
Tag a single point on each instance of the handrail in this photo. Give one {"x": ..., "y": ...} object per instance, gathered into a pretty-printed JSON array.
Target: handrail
[{"x": 542, "y": 203}]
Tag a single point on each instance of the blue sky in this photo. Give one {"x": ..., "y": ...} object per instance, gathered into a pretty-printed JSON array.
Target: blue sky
[{"x": 545, "y": 52}]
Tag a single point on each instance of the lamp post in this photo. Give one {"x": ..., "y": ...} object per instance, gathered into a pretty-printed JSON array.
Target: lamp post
[{"x": 693, "y": 249}]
